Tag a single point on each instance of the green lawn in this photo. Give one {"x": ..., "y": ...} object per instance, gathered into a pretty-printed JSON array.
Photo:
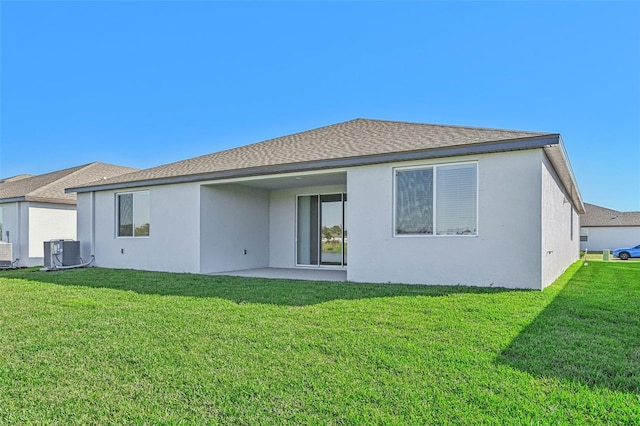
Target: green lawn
[{"x": 97, "y": 346}]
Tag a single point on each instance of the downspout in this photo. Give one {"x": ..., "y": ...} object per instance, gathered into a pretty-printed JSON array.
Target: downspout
[
  {"x": 93, "y": 223},
  {"x": 18, "y": 228}
]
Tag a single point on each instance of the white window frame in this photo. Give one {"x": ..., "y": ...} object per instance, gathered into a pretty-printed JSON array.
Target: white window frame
[
  {"x": 133, "y": 213},
  {"x": 584, "y": 232},
  {"x": 435, "y": 167}
]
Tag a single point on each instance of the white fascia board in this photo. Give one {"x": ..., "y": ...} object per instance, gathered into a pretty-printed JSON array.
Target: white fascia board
[{"x": 557, "y": 155}]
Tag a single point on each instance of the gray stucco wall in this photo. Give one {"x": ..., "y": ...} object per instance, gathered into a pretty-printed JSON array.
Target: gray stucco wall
[
  {"x": 233, "y": 218},
  {"x": 173, "y": 244},
  {"x": 560, "y": 227},
  {"x": 505, "y": 253}
]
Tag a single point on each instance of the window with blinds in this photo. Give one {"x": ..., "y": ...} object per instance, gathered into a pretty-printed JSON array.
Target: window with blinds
[
  {"x": 414, "y": 201},
  {"x": 441, "y": 198}
]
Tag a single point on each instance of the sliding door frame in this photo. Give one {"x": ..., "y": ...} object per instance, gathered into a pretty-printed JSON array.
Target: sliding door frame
[{"x": 318, "y": 226}]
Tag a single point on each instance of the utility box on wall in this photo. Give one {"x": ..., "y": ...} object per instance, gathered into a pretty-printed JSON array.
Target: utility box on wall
[{"x": 61, "y": 253}]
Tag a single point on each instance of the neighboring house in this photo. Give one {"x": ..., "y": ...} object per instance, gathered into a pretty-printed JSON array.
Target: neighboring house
[
  {"x": 14, "y": 178},
  {"x": 34, "y": 209},
  {"x": 602, "y": 228},
  {"x": 421, "y": 203}
]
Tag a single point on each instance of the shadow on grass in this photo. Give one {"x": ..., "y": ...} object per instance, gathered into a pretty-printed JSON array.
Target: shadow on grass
[
  {"x": 236, "y": 289},
  {"x": 590, "y": 333}
]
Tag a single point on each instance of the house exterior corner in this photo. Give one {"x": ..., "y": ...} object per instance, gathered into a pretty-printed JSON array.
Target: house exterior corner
[
  {"x": 560, "y": 230},
  {"x": 504, "y": 253}
]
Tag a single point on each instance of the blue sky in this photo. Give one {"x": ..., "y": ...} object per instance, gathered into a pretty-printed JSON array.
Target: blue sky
[{"x": 151, "y": 82}]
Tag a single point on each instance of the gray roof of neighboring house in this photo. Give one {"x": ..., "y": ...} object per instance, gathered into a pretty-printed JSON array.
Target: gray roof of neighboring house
[
  {"x": 50, "y": 187},
  {"x": 14, "y": 178},
  {"x": 597, "y": 216},
  {"x": 351, "y": 143}
]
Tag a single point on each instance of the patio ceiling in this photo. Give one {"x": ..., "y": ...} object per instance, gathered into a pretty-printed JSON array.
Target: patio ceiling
[{"x": 292, "y": 181}]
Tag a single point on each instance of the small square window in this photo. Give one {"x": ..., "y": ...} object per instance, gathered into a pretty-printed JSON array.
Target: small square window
[{"x": 132, "y": 214}]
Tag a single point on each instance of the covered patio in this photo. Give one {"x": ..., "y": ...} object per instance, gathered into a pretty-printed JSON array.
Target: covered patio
[{"x": 283, "y": 226}]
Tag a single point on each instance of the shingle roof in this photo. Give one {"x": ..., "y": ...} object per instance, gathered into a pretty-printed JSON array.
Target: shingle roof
[
  {"x": 14, "y": 178},
  {"x": 597, "y": 216},
  {"x": 351, "y": 139},
  {"x": 352, "y": 143},
  {"x": 50, "y": 187}
]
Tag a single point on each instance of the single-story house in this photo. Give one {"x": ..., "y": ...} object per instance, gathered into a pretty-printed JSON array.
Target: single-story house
[
  {"x": 34, "y": 209},
  {"x": 420, "y": 203},
  {"x": 602, "y": 228}
]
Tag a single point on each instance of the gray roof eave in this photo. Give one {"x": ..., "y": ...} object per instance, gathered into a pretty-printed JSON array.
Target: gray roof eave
[
  {"x": 50, "y": 200},
  {"x": 480, "y": 148},
  {"x": 12, "y": 200},
  {"x": 557, "y": 155},
  {"x": 47, "y": 200}
]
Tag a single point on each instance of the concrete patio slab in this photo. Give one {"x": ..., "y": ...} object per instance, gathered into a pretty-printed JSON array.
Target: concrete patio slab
[{"x": 290, "y": 274}]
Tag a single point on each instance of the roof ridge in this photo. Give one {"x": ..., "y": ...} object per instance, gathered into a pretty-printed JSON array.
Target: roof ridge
[
  {"x": 613, "y": 210},
  {"x": 253, "y": 144},
  {"x": 632, "y": 212},
  {"x": 131, "y": 170},
  {"x": 77, "y": 170},
  {"x": 456, "y": 126},
  {"x": 15, "y": 178},
  {"x": 342, "y": 123},
  {"x": 603, "y": 208}
]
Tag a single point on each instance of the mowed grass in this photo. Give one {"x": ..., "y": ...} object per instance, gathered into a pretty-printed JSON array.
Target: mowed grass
[{"x": 97, "y": 346}]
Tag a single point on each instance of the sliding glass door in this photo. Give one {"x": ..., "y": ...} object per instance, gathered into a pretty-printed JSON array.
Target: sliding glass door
[
  {"x": 321, "y": 233},
  {"x": 331, "y": 225},
  {"x": 307, "y": 235}
]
